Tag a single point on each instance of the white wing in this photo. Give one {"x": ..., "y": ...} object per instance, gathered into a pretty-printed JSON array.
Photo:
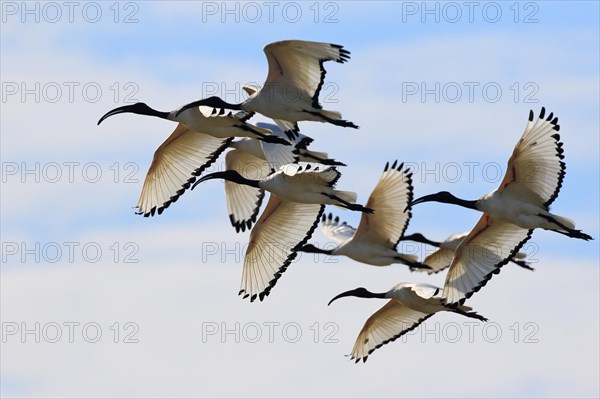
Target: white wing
[
  {"x": 393, "y": 193},
  {"x": 333, "y": 229},
  {"x": 386, "y": 325},
  {"x": 536, "y": 162},
  {"x": 438, "y": 260},
  {"x": 176, "y": 163},
  {"x": 480, "y": 255},
  {"x": 282, "y": 229},
  {"x": 300, "y": 63},
  {"x": 243, "y": 202}
]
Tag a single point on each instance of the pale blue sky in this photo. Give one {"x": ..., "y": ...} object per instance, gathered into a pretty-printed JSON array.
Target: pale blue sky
[{"x": 170, "y": 56}]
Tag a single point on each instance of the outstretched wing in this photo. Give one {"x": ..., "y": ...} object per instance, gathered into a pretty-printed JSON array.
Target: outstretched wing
[
  {"x": 300, "y": 63},
  {"x": 333, "y": 229},
  {"x": 177, "y": 162},
  {"x": 243, "y": 202},
  {"x": 391, "y": 196},
  {"x": 386, "y": 325},
  {"x": 283, "y": 228},
  {"x": 437, "y": 260},
  {"x": 536, "y": 162},
  {"x": 480, "y": 255}
]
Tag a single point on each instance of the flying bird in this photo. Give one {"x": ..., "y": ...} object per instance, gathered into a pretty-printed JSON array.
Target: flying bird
[
  {"x": 187, "y": 152},
  {"x": 219, "y": 125},
  {"x": 441, "y": 258},
  {"x": 255, "y": 159},
  {"x": 534, "y": 176},
  {"x": 409, "y": 305},
  {"x": 378, "y": 234},
  {"x": 535, "y": 173},
  {"x": 303, "y": 182},
  {"x": 294, "y": 81},
  {"x": 299, "y": 193}
]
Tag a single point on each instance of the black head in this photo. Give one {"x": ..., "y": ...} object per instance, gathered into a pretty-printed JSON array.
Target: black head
[
  {"x": 137, "y": 108},
  {"x": 360, "y": 293}
]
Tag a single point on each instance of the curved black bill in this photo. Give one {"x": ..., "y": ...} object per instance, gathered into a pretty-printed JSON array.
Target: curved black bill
[
  {"x": 215, "y": 175},
  {"x": 115, "y": 111}
]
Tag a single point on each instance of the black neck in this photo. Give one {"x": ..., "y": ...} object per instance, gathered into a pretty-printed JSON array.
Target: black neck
[
  {"x": 418, "y": 237},
  {"x": 447, "y": 198},
  {"x": 315, "y": 250},
  {"x": 230, "y": 175}
]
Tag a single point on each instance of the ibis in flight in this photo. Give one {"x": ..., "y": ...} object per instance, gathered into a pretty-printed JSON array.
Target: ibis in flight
[
  {"x": 534, "y": 176},
  {"x": 299, "y": 193},
  {"x": 378, "y": 234},
  {"x": 219, "y": 125},
  {"x": 409, "y": 305},
  {"x": 254, "y": 159},
  {"x": 195, "y": 144},
  {"x": 441, "y": 258},
  {"x": 294, "y": 82}
]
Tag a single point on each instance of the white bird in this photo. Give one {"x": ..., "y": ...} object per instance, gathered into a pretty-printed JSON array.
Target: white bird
[
  {"x": 195, "y": 144},
  {"x": 219, "y": 125},
  {"x": 533, "y": 178},
  {"x": 303, "y": 182},
  {"x": 378, "y": 234},
  {"x": 409, "y": 305},
  {"x": 441, "y": 258},
  {"x": 254, "y": 159},
  {"x": 294, "y": 81},
  {"x": 299, "y": 193}
]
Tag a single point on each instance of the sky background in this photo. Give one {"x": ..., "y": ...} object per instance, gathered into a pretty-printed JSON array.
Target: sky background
[{"x": 117, "y": 305}]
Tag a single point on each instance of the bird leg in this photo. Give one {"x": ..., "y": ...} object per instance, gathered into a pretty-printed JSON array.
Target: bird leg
[
  {"x": 472, "y": 315},
  {"x": 573, "y": 233},
  {"x": 337, "y": 122},
  {"x": 267, "y": 138},
  {"x": 348, "y": 205},
  {"x": 523, "y": 264}
]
